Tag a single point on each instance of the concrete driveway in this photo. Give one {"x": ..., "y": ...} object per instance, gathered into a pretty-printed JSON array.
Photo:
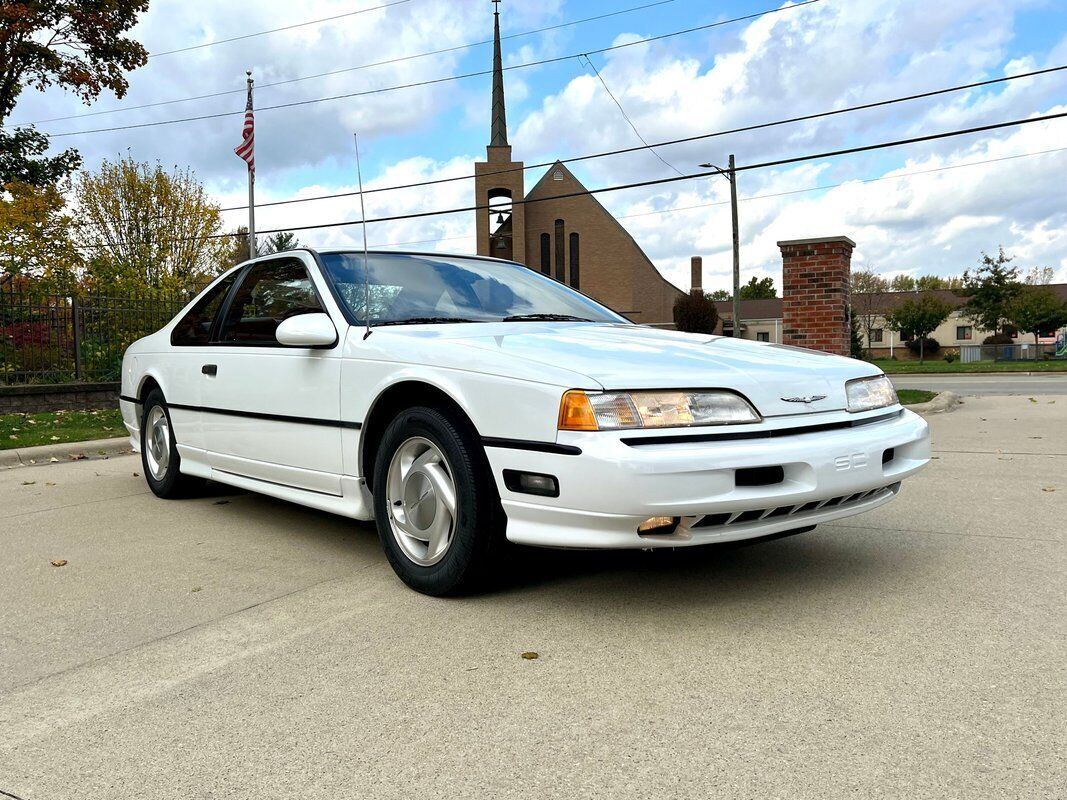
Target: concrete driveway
[{"x": 239, "y": 647}]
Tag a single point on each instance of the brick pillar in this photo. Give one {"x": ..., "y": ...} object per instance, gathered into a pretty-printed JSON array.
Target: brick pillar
[
  {"x": 815, "y": 293},
  {"x": 696, "y": 275}
]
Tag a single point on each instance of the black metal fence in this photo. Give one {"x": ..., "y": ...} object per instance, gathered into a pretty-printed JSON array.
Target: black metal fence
[{"x": 49, "y": 338}]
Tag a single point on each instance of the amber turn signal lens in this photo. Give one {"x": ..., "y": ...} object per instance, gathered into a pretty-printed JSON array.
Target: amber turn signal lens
[{"x": 575, "y": 412}]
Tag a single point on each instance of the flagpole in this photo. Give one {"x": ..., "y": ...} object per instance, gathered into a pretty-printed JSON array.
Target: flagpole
[{"x": 251, "y": 188}]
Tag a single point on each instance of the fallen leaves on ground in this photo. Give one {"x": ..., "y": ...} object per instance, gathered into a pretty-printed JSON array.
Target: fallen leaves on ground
[
  {"x": 1049, "y": 489},
  {"x": 28, "y": 483},
  {"x": 78, "y": 456},
  {"x": 59, "y": 562},
  {"x": 195, "y": 589},
  {"x": 530, "y": 655}
]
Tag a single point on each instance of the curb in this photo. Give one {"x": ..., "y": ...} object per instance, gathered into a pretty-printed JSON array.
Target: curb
[
  {"x": 943, "y": 402},
  {"x": 69, "y": 451}
]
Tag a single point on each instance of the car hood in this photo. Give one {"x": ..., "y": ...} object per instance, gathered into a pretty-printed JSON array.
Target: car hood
[{"x": 634, "y": 357}]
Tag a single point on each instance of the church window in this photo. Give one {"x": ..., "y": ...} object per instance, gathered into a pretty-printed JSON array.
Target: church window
[
  {"x": 561, "y": 244},
  {"x": 574, "y": 260},
  {"x": 546, "y": 254},
  {"x": 557, "y": 175}
]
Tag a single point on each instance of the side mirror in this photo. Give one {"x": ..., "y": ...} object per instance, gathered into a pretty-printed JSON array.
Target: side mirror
[{"x": 307, "y": 330}]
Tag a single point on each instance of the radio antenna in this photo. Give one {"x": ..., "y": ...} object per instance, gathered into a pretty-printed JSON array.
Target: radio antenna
[{"x": 366, "y": 254}]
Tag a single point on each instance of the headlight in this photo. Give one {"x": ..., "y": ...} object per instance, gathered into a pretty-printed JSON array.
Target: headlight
[
  {"x": 867, "y": 393},
  {"x": 580, "y": 411}
]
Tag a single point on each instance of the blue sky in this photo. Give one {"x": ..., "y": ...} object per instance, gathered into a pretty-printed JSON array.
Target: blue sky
[{"x": 800, "y": 60}]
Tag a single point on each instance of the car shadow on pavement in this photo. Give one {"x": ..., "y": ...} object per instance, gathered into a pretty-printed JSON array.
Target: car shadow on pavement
[{"x": 811, "y": 561}]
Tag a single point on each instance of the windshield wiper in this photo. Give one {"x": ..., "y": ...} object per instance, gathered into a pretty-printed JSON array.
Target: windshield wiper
[
  {"x": 545, "y": 318},
  {"x": 423, "y": 321}
]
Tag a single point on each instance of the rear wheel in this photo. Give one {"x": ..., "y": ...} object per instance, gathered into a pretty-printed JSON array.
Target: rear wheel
[
  {"x": 159, "y": 451},
  {"x": 436, "y": 507}
]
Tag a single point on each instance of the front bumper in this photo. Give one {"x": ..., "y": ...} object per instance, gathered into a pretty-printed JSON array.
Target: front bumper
[{"x": 608, "y": 490}]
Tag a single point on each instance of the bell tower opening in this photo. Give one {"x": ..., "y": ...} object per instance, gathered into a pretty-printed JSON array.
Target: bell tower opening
[{"x": 498, "y": 181}]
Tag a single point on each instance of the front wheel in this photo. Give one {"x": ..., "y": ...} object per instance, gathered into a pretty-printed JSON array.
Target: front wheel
[
  {"x": 159, "y": 451},
  {"x": 436, "y": 507}
]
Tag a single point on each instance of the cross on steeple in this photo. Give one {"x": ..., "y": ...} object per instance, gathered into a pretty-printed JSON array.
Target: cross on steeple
[{"x": 499, "y": 130}]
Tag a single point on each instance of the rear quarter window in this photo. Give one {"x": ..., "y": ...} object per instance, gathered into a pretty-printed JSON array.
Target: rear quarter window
[{"x": 195, "y": 327}]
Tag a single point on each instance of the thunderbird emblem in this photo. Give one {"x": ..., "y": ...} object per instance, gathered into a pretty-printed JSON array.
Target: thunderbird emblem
[{"x": 811, "y": 398}]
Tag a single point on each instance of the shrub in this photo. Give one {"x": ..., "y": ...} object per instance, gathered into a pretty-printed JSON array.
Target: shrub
[
  {"x": 950, "y": 357},
  {"x": 695, "y": 313},
  {"x": 999, "y": 338},
  {"x": 930, "y": 346}
]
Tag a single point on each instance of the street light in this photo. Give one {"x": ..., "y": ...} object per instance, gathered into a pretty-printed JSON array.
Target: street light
[{"x": 731, "y": 175}]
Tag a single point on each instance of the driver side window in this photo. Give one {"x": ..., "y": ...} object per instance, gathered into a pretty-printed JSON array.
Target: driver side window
[{"x": 272, "y": 291}]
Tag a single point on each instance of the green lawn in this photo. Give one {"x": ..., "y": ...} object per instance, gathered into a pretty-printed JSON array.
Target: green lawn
[
  {"x": 939, "y": 365},
  {"x": 910, "y": 397},
  {"x": 27, "y": 430}
]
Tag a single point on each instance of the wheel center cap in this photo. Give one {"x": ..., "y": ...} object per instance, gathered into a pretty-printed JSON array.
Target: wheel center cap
[{"x": 420, "y": 501}]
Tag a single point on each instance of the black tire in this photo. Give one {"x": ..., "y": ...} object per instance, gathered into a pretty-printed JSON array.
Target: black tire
[
  {"x": 477, "y": 537},
  {"x": 172, "y": 484}
]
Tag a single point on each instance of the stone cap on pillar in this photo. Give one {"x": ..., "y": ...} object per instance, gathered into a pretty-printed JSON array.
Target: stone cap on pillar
[{"x": 817, "y": 240}]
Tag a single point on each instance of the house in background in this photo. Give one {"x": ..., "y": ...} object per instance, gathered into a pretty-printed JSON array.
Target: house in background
[{"x": 762, "y": 320}]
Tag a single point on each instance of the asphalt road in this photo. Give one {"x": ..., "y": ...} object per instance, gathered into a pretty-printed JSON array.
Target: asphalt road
[
  {"x": 997, "y": 385},
  {"x": 239, "y": 647}
]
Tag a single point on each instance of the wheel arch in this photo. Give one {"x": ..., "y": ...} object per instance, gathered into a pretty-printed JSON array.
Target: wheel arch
[
  {"x": 147, "y": 384},
  {"x": 390, "y": 402}
]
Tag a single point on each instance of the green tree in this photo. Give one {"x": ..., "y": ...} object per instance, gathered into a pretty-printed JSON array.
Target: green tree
[
  {"x": 148, "y": 228},
  {"x": 855, "y": 343},
  {"x": 902, "y": 283},
  {"x": 279, "y": 243},
  {"x": 1036, "y": 309},
  {"x": 76, "y": 44},
  {"x": 695, "y": 313},
  {"x": 35, "y": 237},
  {"x": 919, "y": 318},
  {"x": 990, "y": 290},
  {"x": 759, "y": 289},
  {"x": 720, "y": 295}
]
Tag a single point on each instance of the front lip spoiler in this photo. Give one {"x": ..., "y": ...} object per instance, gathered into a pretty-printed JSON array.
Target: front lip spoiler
[{"x": 771, "y": 433}]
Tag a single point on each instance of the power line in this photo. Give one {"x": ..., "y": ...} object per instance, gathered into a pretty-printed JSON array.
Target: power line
[
  {"x": 398, "y": 59},
  {"x": 675, "y": 179},
  {"x": 626, "y": 116},
  {"x": 820, "y": 187},
  {"x": 434, "y": 81},
  {"x": 669, "y": 142},
  {"x": 276, "y": 30}
]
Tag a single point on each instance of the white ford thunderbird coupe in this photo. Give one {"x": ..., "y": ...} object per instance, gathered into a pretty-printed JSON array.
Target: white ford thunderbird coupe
[{"x": 483, "y": 402}]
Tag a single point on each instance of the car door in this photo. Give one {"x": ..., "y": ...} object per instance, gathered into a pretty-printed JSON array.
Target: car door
[
  {"x": 190, "y": 341},
  {"x": 269, "y": 411}
]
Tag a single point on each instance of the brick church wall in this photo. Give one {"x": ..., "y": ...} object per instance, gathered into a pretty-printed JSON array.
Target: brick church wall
[{"x": 815, "y": 292}]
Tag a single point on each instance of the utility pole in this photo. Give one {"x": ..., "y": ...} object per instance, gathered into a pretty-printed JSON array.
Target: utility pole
[
  {"x": 731, "y": 175},
  {"x": 737, "y": 248}
]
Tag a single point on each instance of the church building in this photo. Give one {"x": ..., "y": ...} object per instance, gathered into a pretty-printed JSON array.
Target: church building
[{"x": 559, "y": 228}]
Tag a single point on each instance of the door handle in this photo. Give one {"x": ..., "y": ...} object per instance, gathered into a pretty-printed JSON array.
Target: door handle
[{"x": 210, "y": 369}]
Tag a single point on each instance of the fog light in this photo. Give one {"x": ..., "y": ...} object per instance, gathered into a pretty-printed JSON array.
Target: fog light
[
  {"x": 531, "y": 483},
  {"x": 659, "y": 525}
]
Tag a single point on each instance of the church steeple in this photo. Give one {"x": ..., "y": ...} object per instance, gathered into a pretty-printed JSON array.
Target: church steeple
[{"x": 499, "y": 133}]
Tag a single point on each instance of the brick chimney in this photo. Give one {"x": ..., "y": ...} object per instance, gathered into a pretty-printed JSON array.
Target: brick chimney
[
  {"x": 815, "y": 293},
  {"x": 696, "y": 275}
]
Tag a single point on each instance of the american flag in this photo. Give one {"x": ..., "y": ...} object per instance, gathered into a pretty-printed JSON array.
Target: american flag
[{"x": 246, "y": 150}]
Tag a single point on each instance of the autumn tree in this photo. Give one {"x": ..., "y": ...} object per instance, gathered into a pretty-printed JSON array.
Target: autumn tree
[
  {"x": 902, "y": 283},
  {"x": 76, "y": 44},
  {"x": 35, "y": 237},
  {"x": 919, "y": 318},
  {"x": 867, "y": 291},
  {"x": 759, "y": 289},
  {"x": 990, "y": 290},
  {"x": 1035, "y": 309},
  {"x": 148, "y": 228}
]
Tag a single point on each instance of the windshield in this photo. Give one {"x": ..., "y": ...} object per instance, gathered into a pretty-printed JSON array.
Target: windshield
[{"x": 440, "y": 289}]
